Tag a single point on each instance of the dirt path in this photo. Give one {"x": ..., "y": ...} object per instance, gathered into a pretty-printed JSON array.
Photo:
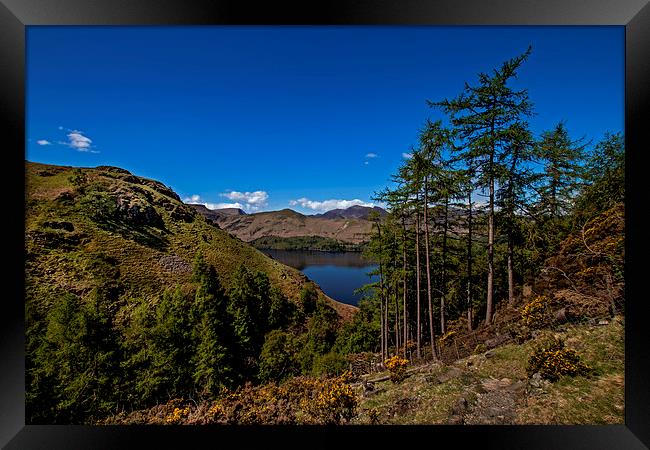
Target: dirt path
[{"x": 496, "y": 404}]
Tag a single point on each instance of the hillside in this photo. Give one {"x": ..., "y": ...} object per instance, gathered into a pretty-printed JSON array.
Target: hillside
[
  {"x": 287, "y": 223},
  {"x": 493, "y": 388},
  {"x": 151, "y": 246},
  {"x": 353, "y": 212},
  {"x": 486, "y": 388}
]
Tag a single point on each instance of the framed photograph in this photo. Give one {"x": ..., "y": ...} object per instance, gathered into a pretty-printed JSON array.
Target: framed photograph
[{"x": 352, "y": 223}]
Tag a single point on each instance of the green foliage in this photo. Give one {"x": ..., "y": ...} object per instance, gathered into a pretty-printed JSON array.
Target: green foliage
[
  {"x": 249, "y": 309},
  {"x": 75, "y": 363},
  {"x": 78, "y": 179},
  {"x": 317, "y": 243},
  {"x": 99, "y": 205},
  {"x": 605, "y": 176},
  {"x": 329, "y": 364},
  {"x": 214, "y": 337},
  {"x": 308, "y": 298},
  {"x": 278, "y": 359},
  {"x": 361, "y": 334},
  {"x": 281, "y": 311},
  {"x": 319, "y": 339}
]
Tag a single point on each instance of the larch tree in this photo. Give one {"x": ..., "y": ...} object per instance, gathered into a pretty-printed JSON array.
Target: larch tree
[{"x": 482, "y": 115}]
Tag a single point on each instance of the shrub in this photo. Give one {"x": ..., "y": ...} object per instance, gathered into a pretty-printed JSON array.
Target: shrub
[
  {"x": 278, "y": 359},
  {"x": 536, "y": 314},
  {"x": 300, "y": 400},
  {"x": 329, "y": 364},
  {"x": 78, "y": 179},
  {"x": 373, "y": 416},
  {"x": 397, "y": 368},
  {"x": 552, "y": 360},
  {"x": 446, "y": 337}
]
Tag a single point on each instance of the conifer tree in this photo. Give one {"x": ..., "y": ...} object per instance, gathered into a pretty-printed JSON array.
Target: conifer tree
[
  {"x": 214, "y": 353},
  {"x": 482, "y": 115},
  {"x": 513, "y": 194}
]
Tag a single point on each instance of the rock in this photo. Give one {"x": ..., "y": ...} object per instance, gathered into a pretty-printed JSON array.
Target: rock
[
  {"x": 489, "y": 354},
  {"x": 113, "y": 169},
  {"x": 175, "y": 264},
  {"x": 66, "y": 226},
  {"x": 455, "y": 420},
  {"x": 498, "y": 340},
  {"x": 603, "y": 322},
  {"x": 560, "y": 315},
  {"x": 516, "y": 387},
  {"x": 403, "y": 406},
  {"x": 182, "y": 213},
  {"x": 460, "y": 406},
  {"x": 65, "y": 196},
  {"x": 137, "y": 211},
  {"x": 453, "y": 372},
  {"x": 536, "y": 382}
]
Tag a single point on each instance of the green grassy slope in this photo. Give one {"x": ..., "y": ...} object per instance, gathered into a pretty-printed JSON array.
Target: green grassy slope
[
  {"x": 497, "y": 390},
  {"x": 150, "y": 247}
]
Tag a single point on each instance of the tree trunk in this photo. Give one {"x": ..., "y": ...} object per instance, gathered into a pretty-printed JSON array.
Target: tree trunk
[
  {"x": 397, "y": 343},
  {"x": 511, "y": 275},
  {"x": 470, "y": 318},
  {"x": 426, "y": 249},
  {"x": 443, "y": 293},
  {"x": 381, "y": 327},
  {"x": 383, "y": 323},
  {"x": 404, "y": 314},
  {"x": 490, "y": 249},
  {"x": 417, "y": 280}
]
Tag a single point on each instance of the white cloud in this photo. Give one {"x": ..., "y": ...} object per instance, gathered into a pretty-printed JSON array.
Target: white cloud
[
  {"x": 365, "y": 163},
  {"x": 407, "y": 155},
  {"x": 249, "y": 201},
  {"x": 78, "y": 141},
  {"x": 43, "y": 142},
  {"x": 253, "y": 200},
  {"x": 371, "y": 155},
  {"x": 327, "y": 205},
  {"x": 196, "y": 200}
]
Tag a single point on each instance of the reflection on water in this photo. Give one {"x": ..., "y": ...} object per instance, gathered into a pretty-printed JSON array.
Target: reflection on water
[{"x": 337, "y": 273}]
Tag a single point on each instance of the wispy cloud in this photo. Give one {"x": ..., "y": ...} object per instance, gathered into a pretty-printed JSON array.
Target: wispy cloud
[
  {"x": 43, "y": 142},
  {"x": 371, "y": 155},
  {"x": 407, "y": 155},
  {"x": 76, "y": 140},
  {"x": 79, "y": 142},
  {"x": 327, "y": 205}
]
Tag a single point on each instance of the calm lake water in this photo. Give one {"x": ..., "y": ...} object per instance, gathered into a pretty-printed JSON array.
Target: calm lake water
[{"x": 337, "y": 273}]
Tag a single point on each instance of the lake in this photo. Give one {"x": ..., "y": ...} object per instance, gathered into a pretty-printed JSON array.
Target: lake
[{"x": 337, "y": 273}]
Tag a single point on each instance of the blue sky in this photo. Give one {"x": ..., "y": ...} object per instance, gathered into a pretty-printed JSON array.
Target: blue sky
[{"x": 310, "y": 118}]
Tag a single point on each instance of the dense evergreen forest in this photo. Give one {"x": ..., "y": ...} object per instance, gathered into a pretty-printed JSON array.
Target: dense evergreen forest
[{"x": 482, "y": 211}]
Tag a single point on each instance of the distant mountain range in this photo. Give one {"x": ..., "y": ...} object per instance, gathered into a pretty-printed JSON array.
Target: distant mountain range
[
  {"x": 349, "y": 225},
  {"x": 353, "y": 212}
]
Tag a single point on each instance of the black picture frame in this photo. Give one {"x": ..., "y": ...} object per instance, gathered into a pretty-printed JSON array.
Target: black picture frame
[{"x": 15, "y": 15}]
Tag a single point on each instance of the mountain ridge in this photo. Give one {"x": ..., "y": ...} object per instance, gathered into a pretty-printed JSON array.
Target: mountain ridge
[{"x": 348, "y": 226}]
